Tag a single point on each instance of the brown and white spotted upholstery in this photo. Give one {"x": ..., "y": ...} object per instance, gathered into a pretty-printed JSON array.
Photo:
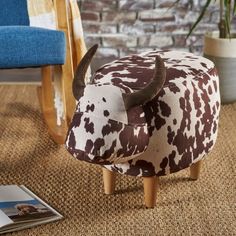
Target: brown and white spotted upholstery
[{"x": 169, "y": 133}]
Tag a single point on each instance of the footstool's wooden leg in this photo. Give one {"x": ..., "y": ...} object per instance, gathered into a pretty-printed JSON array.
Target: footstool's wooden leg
[
  {"x": 150, "y": 185},
  {"x": 195, "y": 170},
  {"x": 109, "y": 181}
]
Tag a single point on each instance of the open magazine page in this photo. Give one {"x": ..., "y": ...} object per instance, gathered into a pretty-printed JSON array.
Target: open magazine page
[
  {"x": 20, "y": 208},
  {"x": 4, "y": 220},
  {"x": 8, "y": 194}
]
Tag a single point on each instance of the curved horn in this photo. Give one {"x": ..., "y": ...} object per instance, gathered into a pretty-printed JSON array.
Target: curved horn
[
  {"x": 78, "y": 82},
  {"x": 150, "y": 90}
]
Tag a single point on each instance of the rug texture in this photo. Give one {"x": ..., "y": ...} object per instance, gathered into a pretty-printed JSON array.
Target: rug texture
[{"x": 28, "y": 156}]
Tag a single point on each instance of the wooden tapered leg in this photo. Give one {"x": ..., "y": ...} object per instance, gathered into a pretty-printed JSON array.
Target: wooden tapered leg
[
  {"x": 46, "y": 100},
  {"x": 109, "y": 179},
  {"x": 150, "y": 185},
  {"x": 195, "y": 170}
]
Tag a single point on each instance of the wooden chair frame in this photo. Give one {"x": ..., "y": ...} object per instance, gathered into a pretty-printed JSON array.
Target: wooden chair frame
[{"x": 62, "y": 73}]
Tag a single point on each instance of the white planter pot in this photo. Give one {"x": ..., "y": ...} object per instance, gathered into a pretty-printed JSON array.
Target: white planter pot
[{"x": 223, "y": 53}]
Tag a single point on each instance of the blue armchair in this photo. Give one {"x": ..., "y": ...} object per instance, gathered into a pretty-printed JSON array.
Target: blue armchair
[{"x": 25, "y": 46}]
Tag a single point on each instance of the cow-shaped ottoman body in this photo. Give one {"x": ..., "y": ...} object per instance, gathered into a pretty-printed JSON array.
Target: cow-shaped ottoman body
[{"x": 145, "y": 115}]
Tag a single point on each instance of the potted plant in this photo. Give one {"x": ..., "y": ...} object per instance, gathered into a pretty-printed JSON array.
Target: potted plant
[{"x": 220, "y": 47}]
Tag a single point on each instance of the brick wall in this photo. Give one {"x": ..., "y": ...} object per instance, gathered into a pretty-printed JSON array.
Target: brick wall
[{"x": 121, "y": 27}]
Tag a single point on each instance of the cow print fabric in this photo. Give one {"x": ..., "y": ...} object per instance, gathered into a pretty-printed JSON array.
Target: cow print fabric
[{"x": 169, "y": 133}]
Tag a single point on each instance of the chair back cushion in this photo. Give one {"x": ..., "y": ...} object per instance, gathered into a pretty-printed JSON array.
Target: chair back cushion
[{"x": 13, "y": 12}]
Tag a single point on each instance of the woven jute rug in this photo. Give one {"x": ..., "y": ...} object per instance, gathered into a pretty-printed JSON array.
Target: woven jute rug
[{"x": 28, "y": 156}]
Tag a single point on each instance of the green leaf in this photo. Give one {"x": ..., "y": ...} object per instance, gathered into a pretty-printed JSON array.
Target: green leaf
[
  {"x": 200, "y": 17},
  {"x": 227, "y": 16},
  {"x": 234, "y": 8}
]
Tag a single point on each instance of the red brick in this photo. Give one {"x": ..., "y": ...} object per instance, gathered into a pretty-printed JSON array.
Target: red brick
[
  {"x": 98, "y": 6},
  {"x": 90, "y": 16},
  {"x": 179, "y": 40},
  {"x": 119, "y": 41},
  {"x": 156, "y": 15},
  {"x": 172, "y": 27},
  {"x": 165, "y": 4},
  {"x": 202, "y": 28},
  {"x": 136, "y": 29},
  {"x": 136, "y": 5},
  {"x": 99, "y": 28},
  {"x": 157, "y": 41},
  {"x": 119, "y": 17},
  {"x": 151, "y": 23}
]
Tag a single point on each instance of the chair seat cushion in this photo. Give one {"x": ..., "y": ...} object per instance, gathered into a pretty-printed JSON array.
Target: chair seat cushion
[{"x": 24, "y": 46}]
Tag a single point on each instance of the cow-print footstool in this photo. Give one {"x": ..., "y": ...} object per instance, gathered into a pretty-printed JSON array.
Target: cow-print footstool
[{"x": 147, "y": 115}]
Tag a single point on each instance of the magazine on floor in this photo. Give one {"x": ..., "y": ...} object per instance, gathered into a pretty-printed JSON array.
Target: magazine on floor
[{"x": 21, "y": 209}]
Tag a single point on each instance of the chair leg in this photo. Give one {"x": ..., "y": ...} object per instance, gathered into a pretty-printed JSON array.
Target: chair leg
[
  {"x": 109, "y": 179},
  {"x": 195, "y": 170},
  {"x": 46, "y": 100},
  {"x": 68, "y": 98},
  {"x": 63, "y": 24},
  {"x": 151, "y": 185}
]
